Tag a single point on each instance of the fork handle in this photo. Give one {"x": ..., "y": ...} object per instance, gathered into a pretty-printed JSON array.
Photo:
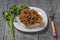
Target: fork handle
[{"x": 53, "y": 28}]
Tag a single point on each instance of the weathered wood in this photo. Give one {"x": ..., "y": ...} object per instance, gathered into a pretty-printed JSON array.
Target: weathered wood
[
  {"x": 6, "y": 6},
  {"x": 3, "y": 6},
  {"x": 42, "y": 35},
  {"x": 57, "y": 17},
  {"x": 1, "y": 27}
]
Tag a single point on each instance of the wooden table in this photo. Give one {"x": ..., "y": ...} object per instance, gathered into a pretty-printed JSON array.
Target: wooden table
[{"x": 42, "y": 35}]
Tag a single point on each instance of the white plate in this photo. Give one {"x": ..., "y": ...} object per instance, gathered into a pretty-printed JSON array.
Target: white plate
[{"x": 41, "y": 27}]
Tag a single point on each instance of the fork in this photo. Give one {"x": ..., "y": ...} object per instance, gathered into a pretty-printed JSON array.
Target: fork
[
  {"x": 52, "y": 14},
  {"x": 53, "y": 25}
]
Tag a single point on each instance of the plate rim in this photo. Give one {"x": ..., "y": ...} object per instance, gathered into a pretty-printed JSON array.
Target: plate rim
[{"x": 36, "y": 30}]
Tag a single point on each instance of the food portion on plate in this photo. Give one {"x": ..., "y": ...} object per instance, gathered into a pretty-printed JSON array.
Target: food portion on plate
[{"x": 30, "y": 18}]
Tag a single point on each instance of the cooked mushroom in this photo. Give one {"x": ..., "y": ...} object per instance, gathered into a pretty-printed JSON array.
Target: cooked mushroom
[{"x": 30, "y": 17}]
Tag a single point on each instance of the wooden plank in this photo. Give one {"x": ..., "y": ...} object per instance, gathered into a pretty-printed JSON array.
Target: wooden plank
[
  {"x": 46, "y": 34},
  {"x": 57, "y": 17},
  {"x": 1, "y": 27},
  {"x": 8, "y": 4},
  {"x": 56, "y": 4},
  {"x": 25, "y": 36},
  {"x": 3, "y": 6}
]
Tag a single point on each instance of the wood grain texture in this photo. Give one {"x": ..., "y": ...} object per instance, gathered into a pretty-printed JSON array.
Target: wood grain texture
[
  {"x": 46, "y": 34},
  {"x": 57, "y": 17},
  {"x": 3, "y": 6}
]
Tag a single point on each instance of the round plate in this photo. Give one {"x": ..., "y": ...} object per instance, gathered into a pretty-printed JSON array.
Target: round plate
[{"x": 41, "y": 27}]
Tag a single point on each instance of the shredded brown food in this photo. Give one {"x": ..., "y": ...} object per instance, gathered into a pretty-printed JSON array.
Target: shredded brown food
[{"x": 30, "y": 17}]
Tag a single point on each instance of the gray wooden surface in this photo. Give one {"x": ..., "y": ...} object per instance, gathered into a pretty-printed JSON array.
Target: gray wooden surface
[{"x": 42, "y": 35}]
